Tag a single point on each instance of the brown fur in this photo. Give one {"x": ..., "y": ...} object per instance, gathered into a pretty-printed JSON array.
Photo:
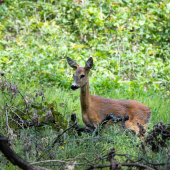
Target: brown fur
[{"x": 95, "y": 108}]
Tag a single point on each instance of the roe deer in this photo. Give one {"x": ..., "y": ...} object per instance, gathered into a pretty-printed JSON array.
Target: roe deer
[{"x": 95, "y": 108}]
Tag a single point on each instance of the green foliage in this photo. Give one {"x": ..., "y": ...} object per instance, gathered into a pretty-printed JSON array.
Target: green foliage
[
  {"x": 129, "y": 43},
  {"x": 129, "y": 40}
]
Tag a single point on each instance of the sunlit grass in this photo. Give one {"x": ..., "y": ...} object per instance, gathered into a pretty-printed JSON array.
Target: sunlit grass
[{"x": 90, "y": 148}]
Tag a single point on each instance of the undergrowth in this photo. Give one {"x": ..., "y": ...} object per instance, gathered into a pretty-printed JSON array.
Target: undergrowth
[{"x": 33, "y": 143}]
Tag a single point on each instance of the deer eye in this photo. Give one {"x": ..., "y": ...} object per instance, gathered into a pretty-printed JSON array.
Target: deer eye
[{"x": 82, "y": 76}]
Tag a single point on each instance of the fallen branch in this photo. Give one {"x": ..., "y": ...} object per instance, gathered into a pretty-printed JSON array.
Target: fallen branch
[
  {"x": 112, "y": 117},
  {"x": 96, "y": 166},
  {"x": 14, "y": 158},
  {"x": 114, "y": 164},
  {"x": 121, "y": 164}
]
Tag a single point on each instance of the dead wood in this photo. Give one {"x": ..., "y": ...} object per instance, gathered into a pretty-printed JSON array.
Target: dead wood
[{"x": 14, "y": 158}]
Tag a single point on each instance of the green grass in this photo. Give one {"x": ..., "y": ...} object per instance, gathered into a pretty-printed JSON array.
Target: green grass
[{"x": 87, "y": 148}]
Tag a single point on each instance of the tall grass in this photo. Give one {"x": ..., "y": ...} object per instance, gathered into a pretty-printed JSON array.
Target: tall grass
[{"x": 68, "y": 102}]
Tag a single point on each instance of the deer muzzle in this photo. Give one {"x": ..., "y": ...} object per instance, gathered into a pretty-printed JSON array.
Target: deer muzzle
[{"x": 74, "y": 87}]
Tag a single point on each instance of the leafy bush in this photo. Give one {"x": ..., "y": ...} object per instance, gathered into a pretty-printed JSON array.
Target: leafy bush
[{"x": 127, "y": 39}]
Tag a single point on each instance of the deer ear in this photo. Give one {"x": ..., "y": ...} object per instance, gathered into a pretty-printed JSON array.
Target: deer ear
[
  {"x": 72, "y": 63},
  {"x": 89, "y": 63}
]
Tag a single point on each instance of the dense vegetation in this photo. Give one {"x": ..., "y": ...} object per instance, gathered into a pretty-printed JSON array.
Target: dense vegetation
[{"x": 129, "y": 41}]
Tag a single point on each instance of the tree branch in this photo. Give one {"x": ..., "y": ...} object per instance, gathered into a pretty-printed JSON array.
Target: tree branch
[{"x": 14, "y": 158}]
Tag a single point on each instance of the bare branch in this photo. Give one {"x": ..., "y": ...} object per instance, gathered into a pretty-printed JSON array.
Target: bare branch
[
  {"x": 7, "y": 117},
  {"x": 14, "y": 158},
  {"x": 59, "y": 135}
]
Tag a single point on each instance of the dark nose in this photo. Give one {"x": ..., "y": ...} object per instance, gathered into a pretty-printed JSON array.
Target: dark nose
[{"x": 73, "y": 87}]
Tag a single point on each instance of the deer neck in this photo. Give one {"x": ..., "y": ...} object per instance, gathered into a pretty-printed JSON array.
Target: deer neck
[{"x": 85, "y": 98}]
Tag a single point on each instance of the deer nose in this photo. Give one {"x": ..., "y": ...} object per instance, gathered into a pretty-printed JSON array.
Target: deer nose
[{"x": 73, "y": 87}]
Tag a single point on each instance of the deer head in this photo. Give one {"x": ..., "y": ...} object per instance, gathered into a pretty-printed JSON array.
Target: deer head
[{"x": 81, "y": 73}]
